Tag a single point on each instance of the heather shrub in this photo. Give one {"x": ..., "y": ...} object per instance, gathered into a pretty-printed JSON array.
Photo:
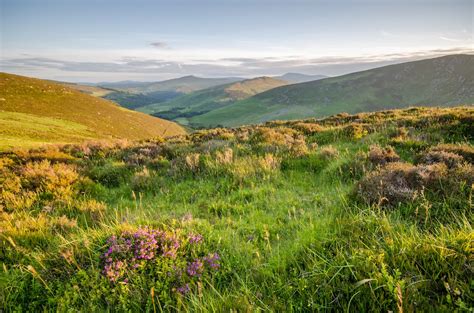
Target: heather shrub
[
  {"x": 37, "y": 182},
  {"x": 382, "y": 156},
  {"x": 466, "y": 151},
  {"x": 55, "y": 181},
  {"x": 397, "y": 183},
  {"x": 276, "y": 139},
  {"x": 308, "y": 128},
  {"x": 355, "y": 131},
  {"x": 210, "y": 134},
  {"x": 387, "y": 185},
  {"x": 170, "y": 263},
  {"x": 450, "y": 159}
]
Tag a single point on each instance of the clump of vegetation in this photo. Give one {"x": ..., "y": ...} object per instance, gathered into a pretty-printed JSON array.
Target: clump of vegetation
[
  {"x": 466, "y": 151},
  {"x": 328, "y": 152},
  {"x": 382, "y": 156},
  {"x": 147, "y": 255}
]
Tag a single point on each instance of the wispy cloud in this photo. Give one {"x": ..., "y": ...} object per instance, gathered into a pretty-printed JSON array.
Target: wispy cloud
[
  {"x": 450, "y": 39},
  {"x": 158, "y": 68},
  {"x": 159, "y": 44}
]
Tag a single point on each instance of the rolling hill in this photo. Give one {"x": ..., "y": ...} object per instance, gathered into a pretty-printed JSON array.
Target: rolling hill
[
  {"x": 133, "y": 95},
  {"x": 206, "y": 100},
  {"x": 35, "y": 111},
  {"x": 443, "y": 81}
]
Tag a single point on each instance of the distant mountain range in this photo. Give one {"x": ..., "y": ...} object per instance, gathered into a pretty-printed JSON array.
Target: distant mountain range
[
  {"x": 35, "y": 111},
  {"x": 233, "y": 101},
  {"x": 443, "y": 81}
]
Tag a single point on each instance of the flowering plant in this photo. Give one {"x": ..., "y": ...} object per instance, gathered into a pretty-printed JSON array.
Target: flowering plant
[{"x": 179, "y": 260}]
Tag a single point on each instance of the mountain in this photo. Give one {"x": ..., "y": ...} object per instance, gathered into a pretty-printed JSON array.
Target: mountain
[
  {"x": 203, "y": 101},
  {"x": 35, "y": 111},
  {"x": 299, "y": 78},
  {"x": 184, "y": 84},
  {"x": 443, "y": 81}
]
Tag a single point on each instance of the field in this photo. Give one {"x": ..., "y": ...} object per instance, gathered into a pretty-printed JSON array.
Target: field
[{"x": 356, "y": 213}]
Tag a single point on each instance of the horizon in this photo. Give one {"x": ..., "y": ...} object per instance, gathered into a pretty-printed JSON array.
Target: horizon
[{"x": 104, "y": 43}]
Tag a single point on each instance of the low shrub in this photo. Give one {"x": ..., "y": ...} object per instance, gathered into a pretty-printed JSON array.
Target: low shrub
[
  {"x": 397, "y": 183},
  {"x": 382, "y": 156},
  {"x": 169, "y": 262},
  {"x": 464, "y": 150},
  {"x": 450, "y": 159}
]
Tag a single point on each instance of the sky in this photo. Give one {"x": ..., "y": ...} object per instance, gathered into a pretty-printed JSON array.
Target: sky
[{"x": 102, "y": 40}]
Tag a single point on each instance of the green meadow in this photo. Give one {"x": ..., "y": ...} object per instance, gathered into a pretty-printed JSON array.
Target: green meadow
[{"x": 353, "y": 213}]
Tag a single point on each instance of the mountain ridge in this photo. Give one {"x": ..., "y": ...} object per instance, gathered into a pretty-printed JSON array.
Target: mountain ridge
[{"x": 442, "y": 81}]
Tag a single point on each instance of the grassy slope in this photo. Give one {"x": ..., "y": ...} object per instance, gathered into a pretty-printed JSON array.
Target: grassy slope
[
  {"x": 27, "y": 130},
  {"x": 445, "y": 81},
  {"x": 294, "y": 240},
  {"x": 209, "y": 99},
  {"x": 103, "y": 119}
]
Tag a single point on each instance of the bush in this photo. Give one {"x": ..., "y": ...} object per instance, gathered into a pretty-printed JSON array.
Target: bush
[
  {"x": 450, "y": 159},
  {"x": 382, "y": 156},
  {"x": 466, "y": 151},
  {"x": 171, "y": 263},
  {"x": 398, "y": 182},
  {"x": 388, "y": 185},
  {"x": 55, "y": 181}
]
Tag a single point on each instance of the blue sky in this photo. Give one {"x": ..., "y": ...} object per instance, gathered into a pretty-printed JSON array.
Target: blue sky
[{"x": 151, "y": 40}]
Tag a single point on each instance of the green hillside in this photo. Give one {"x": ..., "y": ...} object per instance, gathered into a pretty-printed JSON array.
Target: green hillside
[
  {"x": 34, "y": 111},
  {"x": 444, "y": 81},
  {"x": 203, "y": 101}
]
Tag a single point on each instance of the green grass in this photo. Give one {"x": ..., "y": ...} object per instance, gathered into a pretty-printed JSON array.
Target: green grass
[
  {"x": 28, "y": 131},
  {"x": 290, "y": 230}
]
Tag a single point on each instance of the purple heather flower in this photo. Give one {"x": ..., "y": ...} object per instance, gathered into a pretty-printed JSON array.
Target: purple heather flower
[
  {"x": 195, "y": 268},
  {"x": 184, "y": 289},
  {"x": 195, "y": 238},
  {"x": 212, "y": 260}
]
